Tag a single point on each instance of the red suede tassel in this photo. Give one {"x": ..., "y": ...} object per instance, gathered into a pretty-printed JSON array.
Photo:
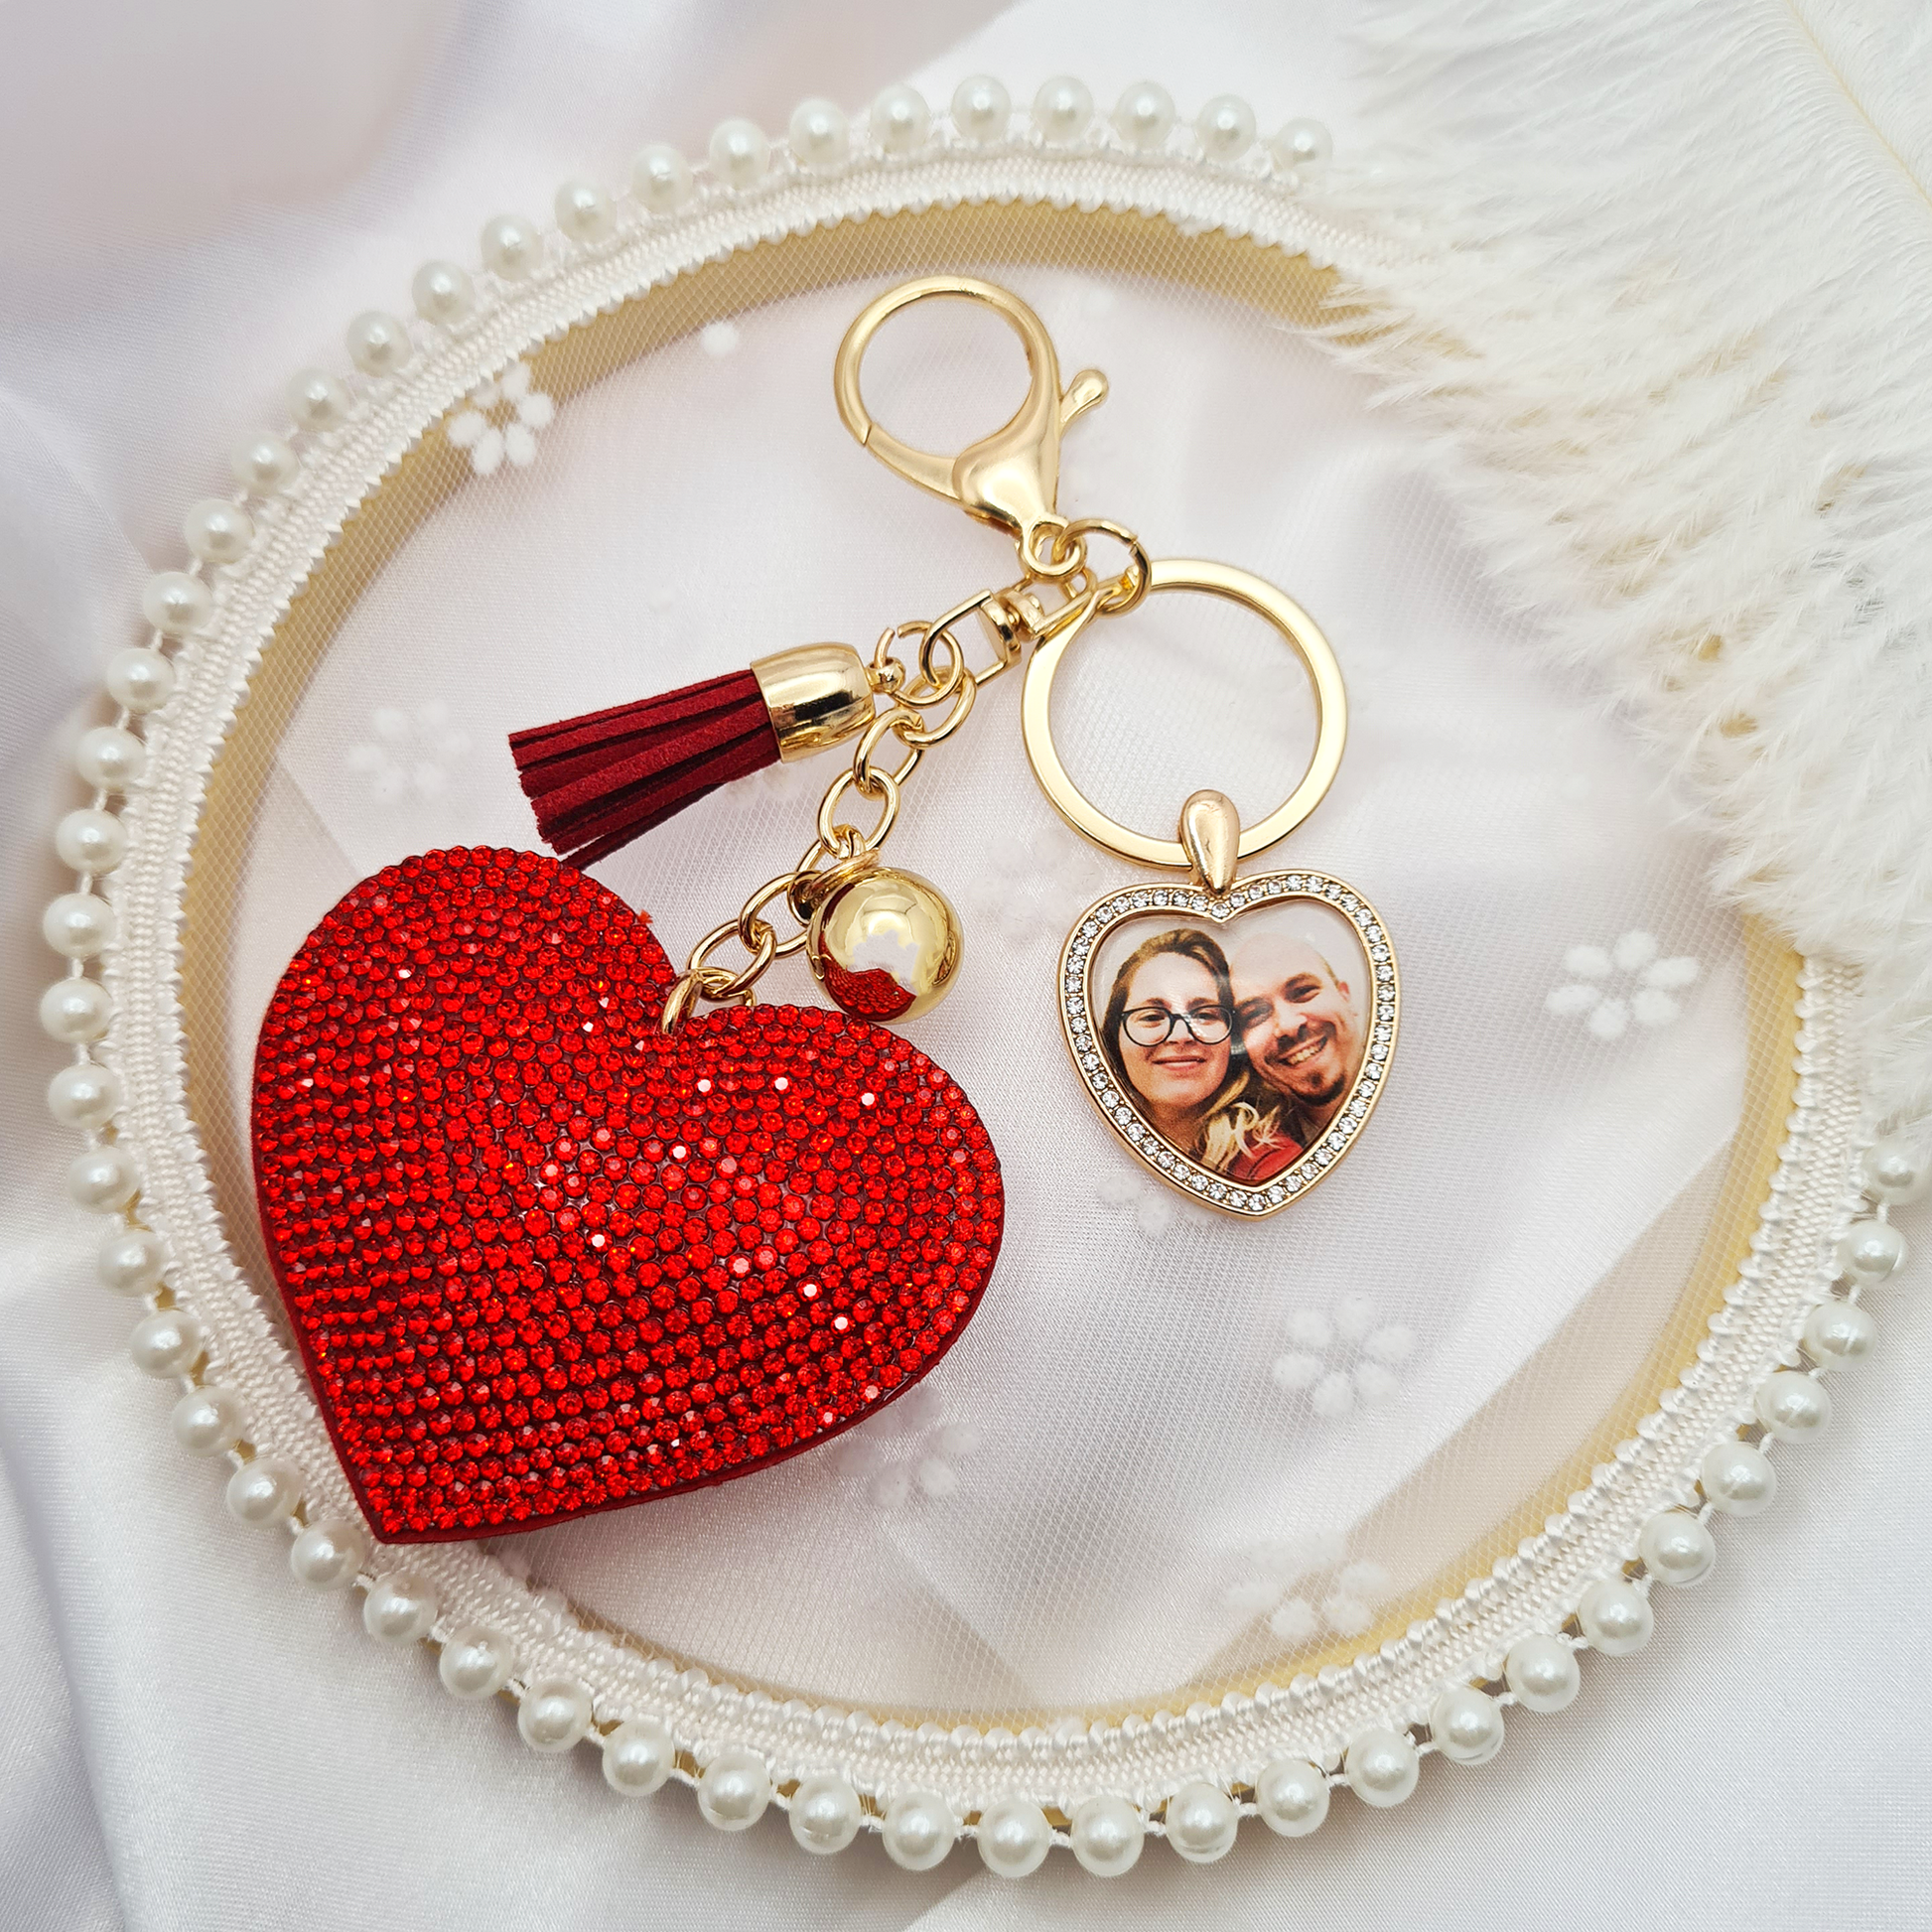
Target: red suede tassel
[{"x": 598, "y": 781}]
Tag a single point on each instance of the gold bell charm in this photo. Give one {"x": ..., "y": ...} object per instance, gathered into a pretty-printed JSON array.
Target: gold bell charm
[{"x": 884, "y": 944}]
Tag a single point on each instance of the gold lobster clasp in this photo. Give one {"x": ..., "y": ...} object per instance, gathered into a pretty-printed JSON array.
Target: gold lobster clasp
[{"x": 1009, "y": 479}]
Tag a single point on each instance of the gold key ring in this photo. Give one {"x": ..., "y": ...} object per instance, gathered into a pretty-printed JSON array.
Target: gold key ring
[{"x": 1254, "y": 594}]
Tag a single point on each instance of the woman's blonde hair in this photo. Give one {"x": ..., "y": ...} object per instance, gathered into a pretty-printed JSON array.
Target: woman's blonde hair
[
  {"x": 1190, "y": 942},
  {"x": 1238, "y": 1123}
]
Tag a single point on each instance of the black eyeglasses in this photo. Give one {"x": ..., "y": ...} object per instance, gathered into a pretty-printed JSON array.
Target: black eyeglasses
[{"x": 1153, "y": 1025}]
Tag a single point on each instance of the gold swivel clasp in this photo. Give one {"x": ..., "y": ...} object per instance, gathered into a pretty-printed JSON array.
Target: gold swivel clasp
[{"x": 1009, "y": 479}]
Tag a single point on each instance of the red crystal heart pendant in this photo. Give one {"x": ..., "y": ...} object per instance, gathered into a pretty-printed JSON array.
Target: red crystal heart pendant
[{"x": 543, "y": 1260}]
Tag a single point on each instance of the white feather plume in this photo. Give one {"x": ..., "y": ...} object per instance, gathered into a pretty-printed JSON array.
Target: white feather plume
[{"x": 1668, "y": 293}]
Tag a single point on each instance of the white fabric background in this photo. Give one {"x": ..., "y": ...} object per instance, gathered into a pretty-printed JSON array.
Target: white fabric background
[
  {"x": 190, "y": 1742},
  {"x": 1136, "y": 1477}
]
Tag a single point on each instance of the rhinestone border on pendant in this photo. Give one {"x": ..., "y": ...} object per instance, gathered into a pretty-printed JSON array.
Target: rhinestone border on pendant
[{"x": 1079, "y": 1027}]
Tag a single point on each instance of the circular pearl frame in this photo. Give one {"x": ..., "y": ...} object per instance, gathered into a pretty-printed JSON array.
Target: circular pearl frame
[{"x": 1095, "y": 1786}]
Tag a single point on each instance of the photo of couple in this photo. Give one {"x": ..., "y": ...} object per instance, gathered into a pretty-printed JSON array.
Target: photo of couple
[{"x": 1239, "y": 1045}]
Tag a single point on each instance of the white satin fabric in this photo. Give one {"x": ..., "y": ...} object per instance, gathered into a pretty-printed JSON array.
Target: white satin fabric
[{"x": 192, "y": 1740}]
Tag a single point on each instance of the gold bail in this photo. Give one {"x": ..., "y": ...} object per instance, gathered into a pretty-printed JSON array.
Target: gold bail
[{"x": 1210, "y": 834}]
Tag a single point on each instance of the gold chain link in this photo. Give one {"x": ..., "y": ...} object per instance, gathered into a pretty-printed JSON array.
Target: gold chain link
[
  {"x": 940, "y": 677},
  {"x": 1121, "y": 594}
]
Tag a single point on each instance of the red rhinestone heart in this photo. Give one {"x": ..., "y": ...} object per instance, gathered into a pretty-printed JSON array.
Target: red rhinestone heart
[{"x": 543, "y": 1260}]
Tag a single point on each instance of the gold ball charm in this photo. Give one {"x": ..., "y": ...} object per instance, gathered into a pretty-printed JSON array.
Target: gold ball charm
[{"x": 885, "y": 945}]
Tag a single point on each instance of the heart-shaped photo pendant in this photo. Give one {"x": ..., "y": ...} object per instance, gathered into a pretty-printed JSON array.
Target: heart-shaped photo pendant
[{"x": 1238, "y": 1042}]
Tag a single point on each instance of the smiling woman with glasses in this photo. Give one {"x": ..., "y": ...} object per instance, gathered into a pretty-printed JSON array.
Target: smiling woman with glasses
[{"x": 1169, "y": 1036}]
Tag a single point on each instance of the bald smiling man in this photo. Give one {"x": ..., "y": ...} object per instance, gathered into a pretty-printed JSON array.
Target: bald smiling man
[{"x": 1297, "y": 1020}]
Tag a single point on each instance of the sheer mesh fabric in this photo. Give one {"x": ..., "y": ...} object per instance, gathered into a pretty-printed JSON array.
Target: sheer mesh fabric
[{"x": 1175, "y": 1454}]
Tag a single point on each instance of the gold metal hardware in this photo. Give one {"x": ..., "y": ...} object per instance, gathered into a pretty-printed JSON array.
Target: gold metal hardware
[
  {"x": 1255, "y": 593},
  {"x": 826, "y": 694},
  {"x": 1210, "y": 835},
  {"x": 885, "y": 944},
  {"x": 817, "y": 695},
  {"x": 1009, "y": 479}
]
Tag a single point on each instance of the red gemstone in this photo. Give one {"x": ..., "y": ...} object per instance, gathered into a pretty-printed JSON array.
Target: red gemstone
[{"x": 543, "y": 1260}]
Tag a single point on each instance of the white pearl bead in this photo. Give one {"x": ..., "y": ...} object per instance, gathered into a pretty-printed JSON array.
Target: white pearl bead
[
  {"x": 512, "y": 248},
  {"x": 84, "y": 1095},
  {"x": 1302, "y": 148},
  {"x": 584, "y": 211},
  {"x": 1738, "y": 1478},
  {"x": 1543, "y": 1673},
  {"x": 327, "y": 1555},
  {"x": 1145, "y": 116},
  {"x": 1792, "y": 1406},
  {"x": 103, "y": 1178},
  {"x": 443, "y": 293},
  {"x": 1381, "y": 1766},
  {"x": 400, "y": 1608},
  {"x": 1201, "y": 1822},
  {"x": 639, "y": 1755},
  {"x": 1465, "y": 1726},
  {"x": 660, "y": 178},
  {"x": 476, "y": 1663},
  {"x": 78, "y": 924},
  {"x": 1292, "y": 1796},
  {"x": 1677, "y": 1548},
  {"x": 980, "y": 108},
  {"x": 1107, "y": 1834},
  {"x": 316, "y": 400},
  {"x": 738, "y": 153},
  {"x": 825, "y": 1813},
  {"x": 1616, "y": 1616},
  {"x": 75, "y": 1011},
  {"x": 919, "y": 1830},
  {"x": 554, "y": 1715},
  {"x": 218, "y": 531},
  {"x": 208, "y": 1420},
  {"x": 1870, "y": 1252},
  {"x": 1838, "y": 1333},
  {"x": 899, "y": 119},
  {"x": 379, "y": 342},
  {"x": 1063, "y": 110},
  {"x": 132, "y": 1261},
  {"x": 733, "y": 1791},
  {"x": 110, "y": 758},
  {"x": 175, "y": 604},
  {"x": 166, "y": 1342},
  {"x": 1014, "y": 1838},
  {"x": 818, "y": 133},
  {"x": 1226, "y": 126},
  {"x": 263, "y": 1491},
  {"x": 264, "y": 465},
  {"x": 1894, "y": 1170},
  {"x": 140, "y": 680}
]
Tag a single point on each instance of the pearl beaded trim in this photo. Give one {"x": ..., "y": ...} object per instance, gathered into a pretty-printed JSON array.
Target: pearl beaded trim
[{"x": 1510, "y": 1638}]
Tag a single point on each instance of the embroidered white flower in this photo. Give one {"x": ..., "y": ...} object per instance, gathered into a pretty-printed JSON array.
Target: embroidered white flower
[
  {"x": 410, "y": 754},
  {"x": 1036, "y": 884},
  {"x": 907, "y": 1450},
  {"x": 719, "y": 339},
  {"x": 1305, "y": 1585},
  {"x": 1341, "y": 1357},
  {"x": 1147, "y": 1202},
  {"x": 1629, "y": 980},
  {"x": 502, "y": 420}
]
